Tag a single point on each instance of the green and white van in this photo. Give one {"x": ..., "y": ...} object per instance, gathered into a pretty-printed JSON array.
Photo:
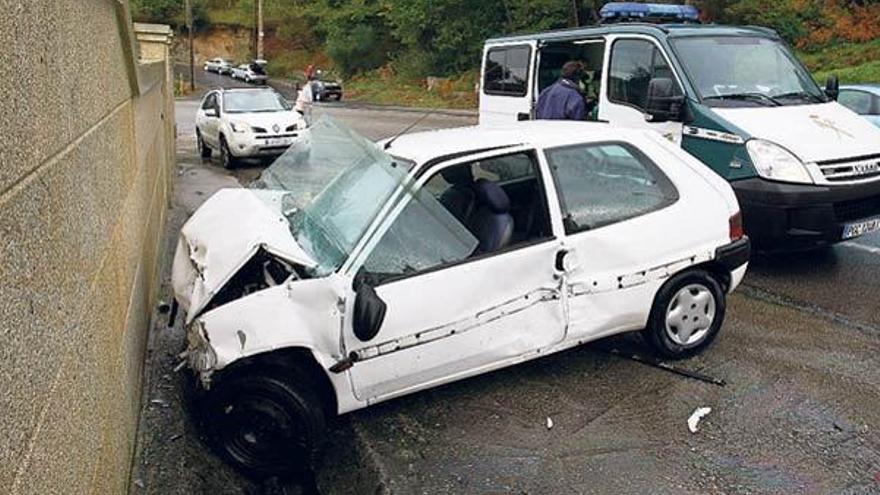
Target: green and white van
[{"x": 805, "y": 169}]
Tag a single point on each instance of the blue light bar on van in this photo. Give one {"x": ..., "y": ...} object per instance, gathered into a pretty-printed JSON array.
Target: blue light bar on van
[{"x": 631, "y": 11}]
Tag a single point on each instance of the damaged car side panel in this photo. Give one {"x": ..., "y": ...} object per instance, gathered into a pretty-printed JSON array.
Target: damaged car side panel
[{"x": 302, "y": 314}]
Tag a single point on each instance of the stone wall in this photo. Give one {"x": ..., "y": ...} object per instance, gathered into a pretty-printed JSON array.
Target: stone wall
[{"x": 85, "y": 158}]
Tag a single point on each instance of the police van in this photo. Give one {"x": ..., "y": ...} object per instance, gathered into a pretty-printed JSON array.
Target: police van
[{"x": 805, "y": 169}]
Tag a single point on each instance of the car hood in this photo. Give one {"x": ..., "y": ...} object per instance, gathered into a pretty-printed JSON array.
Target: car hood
[
  {"x": 269, "y": 120},
  {"x": 814, "y": 133},
  {"x": 223, "y": 235}
]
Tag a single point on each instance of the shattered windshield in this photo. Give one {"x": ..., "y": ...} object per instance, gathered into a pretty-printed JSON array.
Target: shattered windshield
[
  {"x": 746, "y": 71},
  {"x": 337, "y": 182}
]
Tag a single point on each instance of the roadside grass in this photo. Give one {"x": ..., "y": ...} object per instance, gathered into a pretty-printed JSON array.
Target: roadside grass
[
  {"x": 375, "y": 87},
  {"x": 841, "y": 55},
  {"x": 865, "y": 73}
]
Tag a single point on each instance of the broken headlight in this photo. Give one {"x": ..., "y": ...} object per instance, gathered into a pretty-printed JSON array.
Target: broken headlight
[{"x": 202, "y": 357}]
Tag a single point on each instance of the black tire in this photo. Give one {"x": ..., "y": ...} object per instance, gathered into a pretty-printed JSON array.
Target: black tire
[
  {"x": 263, "y": 424},
  {"x": 204, "y": 149},
  {"x": 226, "y": 156},
  {"x": 662, "y": 336}
]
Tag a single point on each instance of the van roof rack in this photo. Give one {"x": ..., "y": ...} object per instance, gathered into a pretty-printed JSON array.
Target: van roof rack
[{"x": 615, "y": 12}]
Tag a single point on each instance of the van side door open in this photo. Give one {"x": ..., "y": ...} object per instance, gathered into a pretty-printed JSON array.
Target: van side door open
[{"x": 506, "y": 90}]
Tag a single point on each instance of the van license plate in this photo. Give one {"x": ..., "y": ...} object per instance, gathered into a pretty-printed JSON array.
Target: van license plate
[{"x": 851, "y": 230}]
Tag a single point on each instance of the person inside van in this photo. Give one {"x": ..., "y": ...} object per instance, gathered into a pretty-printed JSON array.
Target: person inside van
[{"x": 563, "y": 99}]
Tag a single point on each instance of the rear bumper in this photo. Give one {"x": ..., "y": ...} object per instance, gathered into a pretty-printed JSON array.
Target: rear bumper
[
  {"x": 735, "y": 254},
  {"x": 790, "y": 217}
]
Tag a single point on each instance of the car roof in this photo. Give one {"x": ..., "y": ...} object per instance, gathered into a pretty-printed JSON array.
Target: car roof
[
  {"x": 657, "y": 30},
  {"x": 429, "y": 146}
]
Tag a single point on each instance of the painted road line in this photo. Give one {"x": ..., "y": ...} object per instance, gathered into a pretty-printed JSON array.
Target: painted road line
[{"x": 863, "y": 247}]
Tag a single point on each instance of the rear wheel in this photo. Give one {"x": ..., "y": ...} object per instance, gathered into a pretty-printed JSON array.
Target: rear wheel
[
  {"x": 226, "y": 157},
  {"x": 204, "y": 149},
  {"x": 265, "y": 424},
  {"x": 687, "y": 314}
]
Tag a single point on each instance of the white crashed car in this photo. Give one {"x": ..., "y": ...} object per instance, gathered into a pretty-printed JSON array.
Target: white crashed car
[
  {"x": 246, "y": 123},
  {"x": 352, "y": 273}
]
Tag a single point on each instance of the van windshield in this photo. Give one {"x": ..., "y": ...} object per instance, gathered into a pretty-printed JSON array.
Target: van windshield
[{"x": 733, "y": 71}]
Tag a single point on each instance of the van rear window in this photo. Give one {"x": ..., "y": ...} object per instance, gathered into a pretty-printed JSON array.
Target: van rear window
[{"x": 507, "y": 71}]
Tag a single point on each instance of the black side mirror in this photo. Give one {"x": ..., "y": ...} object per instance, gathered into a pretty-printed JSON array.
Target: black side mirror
[
  {"x": 662, "y": 103},
  {"x": 369, "y": 312},
  {"x": 832, "y": 87}
]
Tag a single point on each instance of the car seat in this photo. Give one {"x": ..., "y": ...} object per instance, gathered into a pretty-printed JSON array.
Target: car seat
[
  {"x": 459, "y": 199},
  {"x": 491, "y": 223}
]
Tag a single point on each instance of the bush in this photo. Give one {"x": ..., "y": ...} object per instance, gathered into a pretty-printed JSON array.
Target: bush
[{"x": 359, "y": 49}]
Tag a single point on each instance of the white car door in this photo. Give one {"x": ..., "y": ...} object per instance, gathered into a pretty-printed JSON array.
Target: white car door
[
  {"x": 452, "y": 313},
  {"x": 628, "y": 225},
  {"x": 631, "y": 61},
  {"x": 506, "y": 90}
]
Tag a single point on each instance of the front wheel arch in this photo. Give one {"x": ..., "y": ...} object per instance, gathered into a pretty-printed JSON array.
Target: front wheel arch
[{"x": 298, "y": 360}]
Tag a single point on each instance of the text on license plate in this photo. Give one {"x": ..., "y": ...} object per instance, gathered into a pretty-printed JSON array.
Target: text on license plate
[
  {"x": 278, "y": 142},
  {"x": 851, "y": 230}
]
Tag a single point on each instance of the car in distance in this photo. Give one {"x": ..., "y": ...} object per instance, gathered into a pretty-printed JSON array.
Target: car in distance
[
  {"x": 246, "y": 123},
  {"x": 325, "y": 90},
  {"x": 354, "y": 273},
  {"x": 218, "y": 65},
  {"x": 226, "y": 69},
  {"x": 863, "y": 99},
  {"x": 250, "y": 73}
]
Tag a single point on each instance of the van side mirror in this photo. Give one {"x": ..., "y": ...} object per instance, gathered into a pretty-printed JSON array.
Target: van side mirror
[
  {"x": 832, "y": 87},
  {"x": 211, "y": 112},
  {"x": 662, "y": 104},
  {"x": 369, "y": 312}
]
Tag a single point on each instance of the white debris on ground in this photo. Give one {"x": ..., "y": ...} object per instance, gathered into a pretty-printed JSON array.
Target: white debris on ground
[
  {"x": 549, "y": 423},
  {"x": 696, "y": 416}
]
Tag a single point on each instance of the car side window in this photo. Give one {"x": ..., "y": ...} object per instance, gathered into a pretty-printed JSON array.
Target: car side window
[
  {"x": 634, "y": 62},
  {"x": 859, "y": 102},
  {"x": 462, "y": 212},
  {"x": 210, "y": 101},
  {"x": 507, "y": 71},
  {"x": 603, "y": 184}
]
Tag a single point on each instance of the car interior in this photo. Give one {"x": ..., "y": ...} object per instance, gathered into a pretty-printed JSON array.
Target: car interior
[
  {"x": 463, "y": 212},
  {"x": 500, "y": 200}
]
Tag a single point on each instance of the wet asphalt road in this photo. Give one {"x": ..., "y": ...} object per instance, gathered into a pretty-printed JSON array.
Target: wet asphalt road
[{"x": 800, "y": 412}]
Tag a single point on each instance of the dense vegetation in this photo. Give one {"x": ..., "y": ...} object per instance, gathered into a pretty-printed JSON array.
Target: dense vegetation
[{"x": 411, "y": 39}]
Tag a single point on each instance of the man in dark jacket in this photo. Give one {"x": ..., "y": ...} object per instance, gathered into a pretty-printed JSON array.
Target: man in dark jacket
[{"x": 563, "y": 100}]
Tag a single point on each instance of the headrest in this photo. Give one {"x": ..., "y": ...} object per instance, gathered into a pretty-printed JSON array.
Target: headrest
[
  {"x": 491, "y": 195},
  {"x": 459, "y": 175}
]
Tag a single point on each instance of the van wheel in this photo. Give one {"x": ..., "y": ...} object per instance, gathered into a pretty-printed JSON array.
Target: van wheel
[
  {"x": 265, "y": 425},
  {"x": 687, "y": 314},
  {"x": 204, "y": 149},
  {"x": 226, "y": 156}
]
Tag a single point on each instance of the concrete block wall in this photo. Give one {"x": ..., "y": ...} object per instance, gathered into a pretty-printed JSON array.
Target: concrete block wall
[{"x": 85, "y": 157}]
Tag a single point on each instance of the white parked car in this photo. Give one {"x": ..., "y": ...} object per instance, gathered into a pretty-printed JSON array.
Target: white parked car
[
  {"x": 218, "y": 65},
  {"x": 249, "y": 74},
  {"x": 355, "y": 272},
  {"x": 246, "y": 123}
]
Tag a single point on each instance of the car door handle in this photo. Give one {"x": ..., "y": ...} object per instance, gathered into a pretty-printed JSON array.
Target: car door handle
[
  {"x": 560, "y": 260},
  {"x": 523, "y": 116}
]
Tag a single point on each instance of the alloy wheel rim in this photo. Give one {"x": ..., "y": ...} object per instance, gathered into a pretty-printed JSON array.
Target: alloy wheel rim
[{"x": 690, "y": 315}]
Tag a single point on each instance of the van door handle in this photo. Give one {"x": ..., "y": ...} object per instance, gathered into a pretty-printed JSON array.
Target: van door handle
[{"x": 523, "y": 116}]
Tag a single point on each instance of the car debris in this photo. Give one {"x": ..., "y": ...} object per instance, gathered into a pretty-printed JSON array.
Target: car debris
[
  {"x": 696, "y": 416},
  {"x": 650, "y": 361},
  {"x": 549, "y": 423}
]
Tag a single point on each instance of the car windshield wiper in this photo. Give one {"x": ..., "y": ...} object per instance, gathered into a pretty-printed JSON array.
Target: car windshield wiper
[
  {"x": 803, "y": 95},
  {"x": 747, "y": 97}
]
